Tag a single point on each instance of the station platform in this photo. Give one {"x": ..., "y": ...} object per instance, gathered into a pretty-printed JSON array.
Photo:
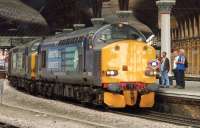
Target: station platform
[
  {"x": 180, "y": 102},
  {"x": 192, "y": 90},
  {"x": 189, "y": 77}
]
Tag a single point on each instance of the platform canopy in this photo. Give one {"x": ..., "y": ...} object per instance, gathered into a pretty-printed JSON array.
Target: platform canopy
[
  {"x": 147, "y": 12},
  {"x": 17, "y": 18},
  {"x": 35, "y": 17}
]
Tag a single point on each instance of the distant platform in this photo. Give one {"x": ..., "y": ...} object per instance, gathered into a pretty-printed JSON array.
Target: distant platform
[
  {"x": 192, "y": 90},
  {"x": 192, "y": 77}
]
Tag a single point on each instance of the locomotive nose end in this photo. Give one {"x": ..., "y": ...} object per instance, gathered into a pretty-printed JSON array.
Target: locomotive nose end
[
  {"x": 124, "y": 76},
  {"x": 127, "y": 61}
]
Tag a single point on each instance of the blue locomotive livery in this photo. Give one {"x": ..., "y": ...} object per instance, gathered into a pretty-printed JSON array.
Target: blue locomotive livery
[{"x": 105, "y": 64}]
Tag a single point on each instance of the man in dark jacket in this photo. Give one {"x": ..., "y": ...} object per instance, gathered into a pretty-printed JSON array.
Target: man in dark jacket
[{"x": 165, "y": 67}]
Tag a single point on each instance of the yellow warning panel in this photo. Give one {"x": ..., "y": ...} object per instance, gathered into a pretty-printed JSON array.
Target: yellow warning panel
[
  {"x": 130, "y": 59},
  {"x": 33, "y": 65},
  {"x": 130, "y": 97},
  {"x": 147, "y": 100},
  {"x": 114, "y": 100}
]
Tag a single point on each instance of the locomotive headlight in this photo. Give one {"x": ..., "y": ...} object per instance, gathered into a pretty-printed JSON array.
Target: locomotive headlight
[
  {"x": 155, "y": 73},
  {"x": 111, "y": 73},
  {"x": 151, "y": 73}
]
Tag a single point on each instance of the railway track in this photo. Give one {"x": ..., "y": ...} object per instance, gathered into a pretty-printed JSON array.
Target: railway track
[
  {"x": 146, "y": 114},
  {"x": 142, "y": 113},
  {"x": 55, "y": 116},
  {"x": 158, "y": 116},
  {"x": 175, "y": 119},
  {"x": 3, "y": 125}
]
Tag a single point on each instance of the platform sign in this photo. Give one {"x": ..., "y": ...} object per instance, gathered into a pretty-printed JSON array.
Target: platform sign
[{"x": 1, "y": 89}]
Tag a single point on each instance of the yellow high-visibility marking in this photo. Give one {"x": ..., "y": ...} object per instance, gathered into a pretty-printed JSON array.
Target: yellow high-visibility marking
[
  {"x": 147, "y": 100},
  {"x": 33, "y": 65},
  {"x": 114, "y": 100},
  {"x": 133, "y": 54}
]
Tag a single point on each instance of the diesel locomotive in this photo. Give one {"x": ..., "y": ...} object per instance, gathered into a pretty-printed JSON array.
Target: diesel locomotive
[{"x": 108, "y": 64}]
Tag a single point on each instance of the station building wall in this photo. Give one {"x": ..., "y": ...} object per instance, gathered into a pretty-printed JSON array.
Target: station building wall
[{"x": 187, "y": 36}]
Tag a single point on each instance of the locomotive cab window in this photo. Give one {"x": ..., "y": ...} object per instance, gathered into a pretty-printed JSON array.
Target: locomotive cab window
[{"x": 117, "y": 32}]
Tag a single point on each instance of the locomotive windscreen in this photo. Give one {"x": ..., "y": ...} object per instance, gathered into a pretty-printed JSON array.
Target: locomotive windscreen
[{"x": 117, "y": 32}]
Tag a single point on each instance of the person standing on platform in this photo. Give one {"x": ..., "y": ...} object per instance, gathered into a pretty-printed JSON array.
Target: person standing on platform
[
  {"x": 175, "y": 64},
  {"x": 164, "y": 70},
  {"x": 181, "y": 66}
]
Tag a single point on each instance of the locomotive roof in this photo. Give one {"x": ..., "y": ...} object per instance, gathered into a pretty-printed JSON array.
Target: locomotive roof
[
  {"x": 29, "y": 44},
  {"x": 63, "y": 36},
  {"x": 78, "y": 33}
]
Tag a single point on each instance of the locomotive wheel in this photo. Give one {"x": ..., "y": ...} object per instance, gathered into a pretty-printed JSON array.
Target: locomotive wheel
[
  {"x": 49, "y": 91},
  {"x": 32, "y": 89},
  {"x": 39, "y": 89},
  {"x": 44, "y": 90},
  {"x": 27, "y": 87}
]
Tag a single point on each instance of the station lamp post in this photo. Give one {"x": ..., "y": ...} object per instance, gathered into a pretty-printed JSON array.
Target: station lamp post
[{"x": 164, "y": 8}]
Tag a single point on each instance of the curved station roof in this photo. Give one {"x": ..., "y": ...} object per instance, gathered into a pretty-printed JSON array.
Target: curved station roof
[{"x": 41, "y": 17}]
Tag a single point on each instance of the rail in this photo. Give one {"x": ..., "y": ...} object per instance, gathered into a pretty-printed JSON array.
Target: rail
[{"x": 158, "y": 116}]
